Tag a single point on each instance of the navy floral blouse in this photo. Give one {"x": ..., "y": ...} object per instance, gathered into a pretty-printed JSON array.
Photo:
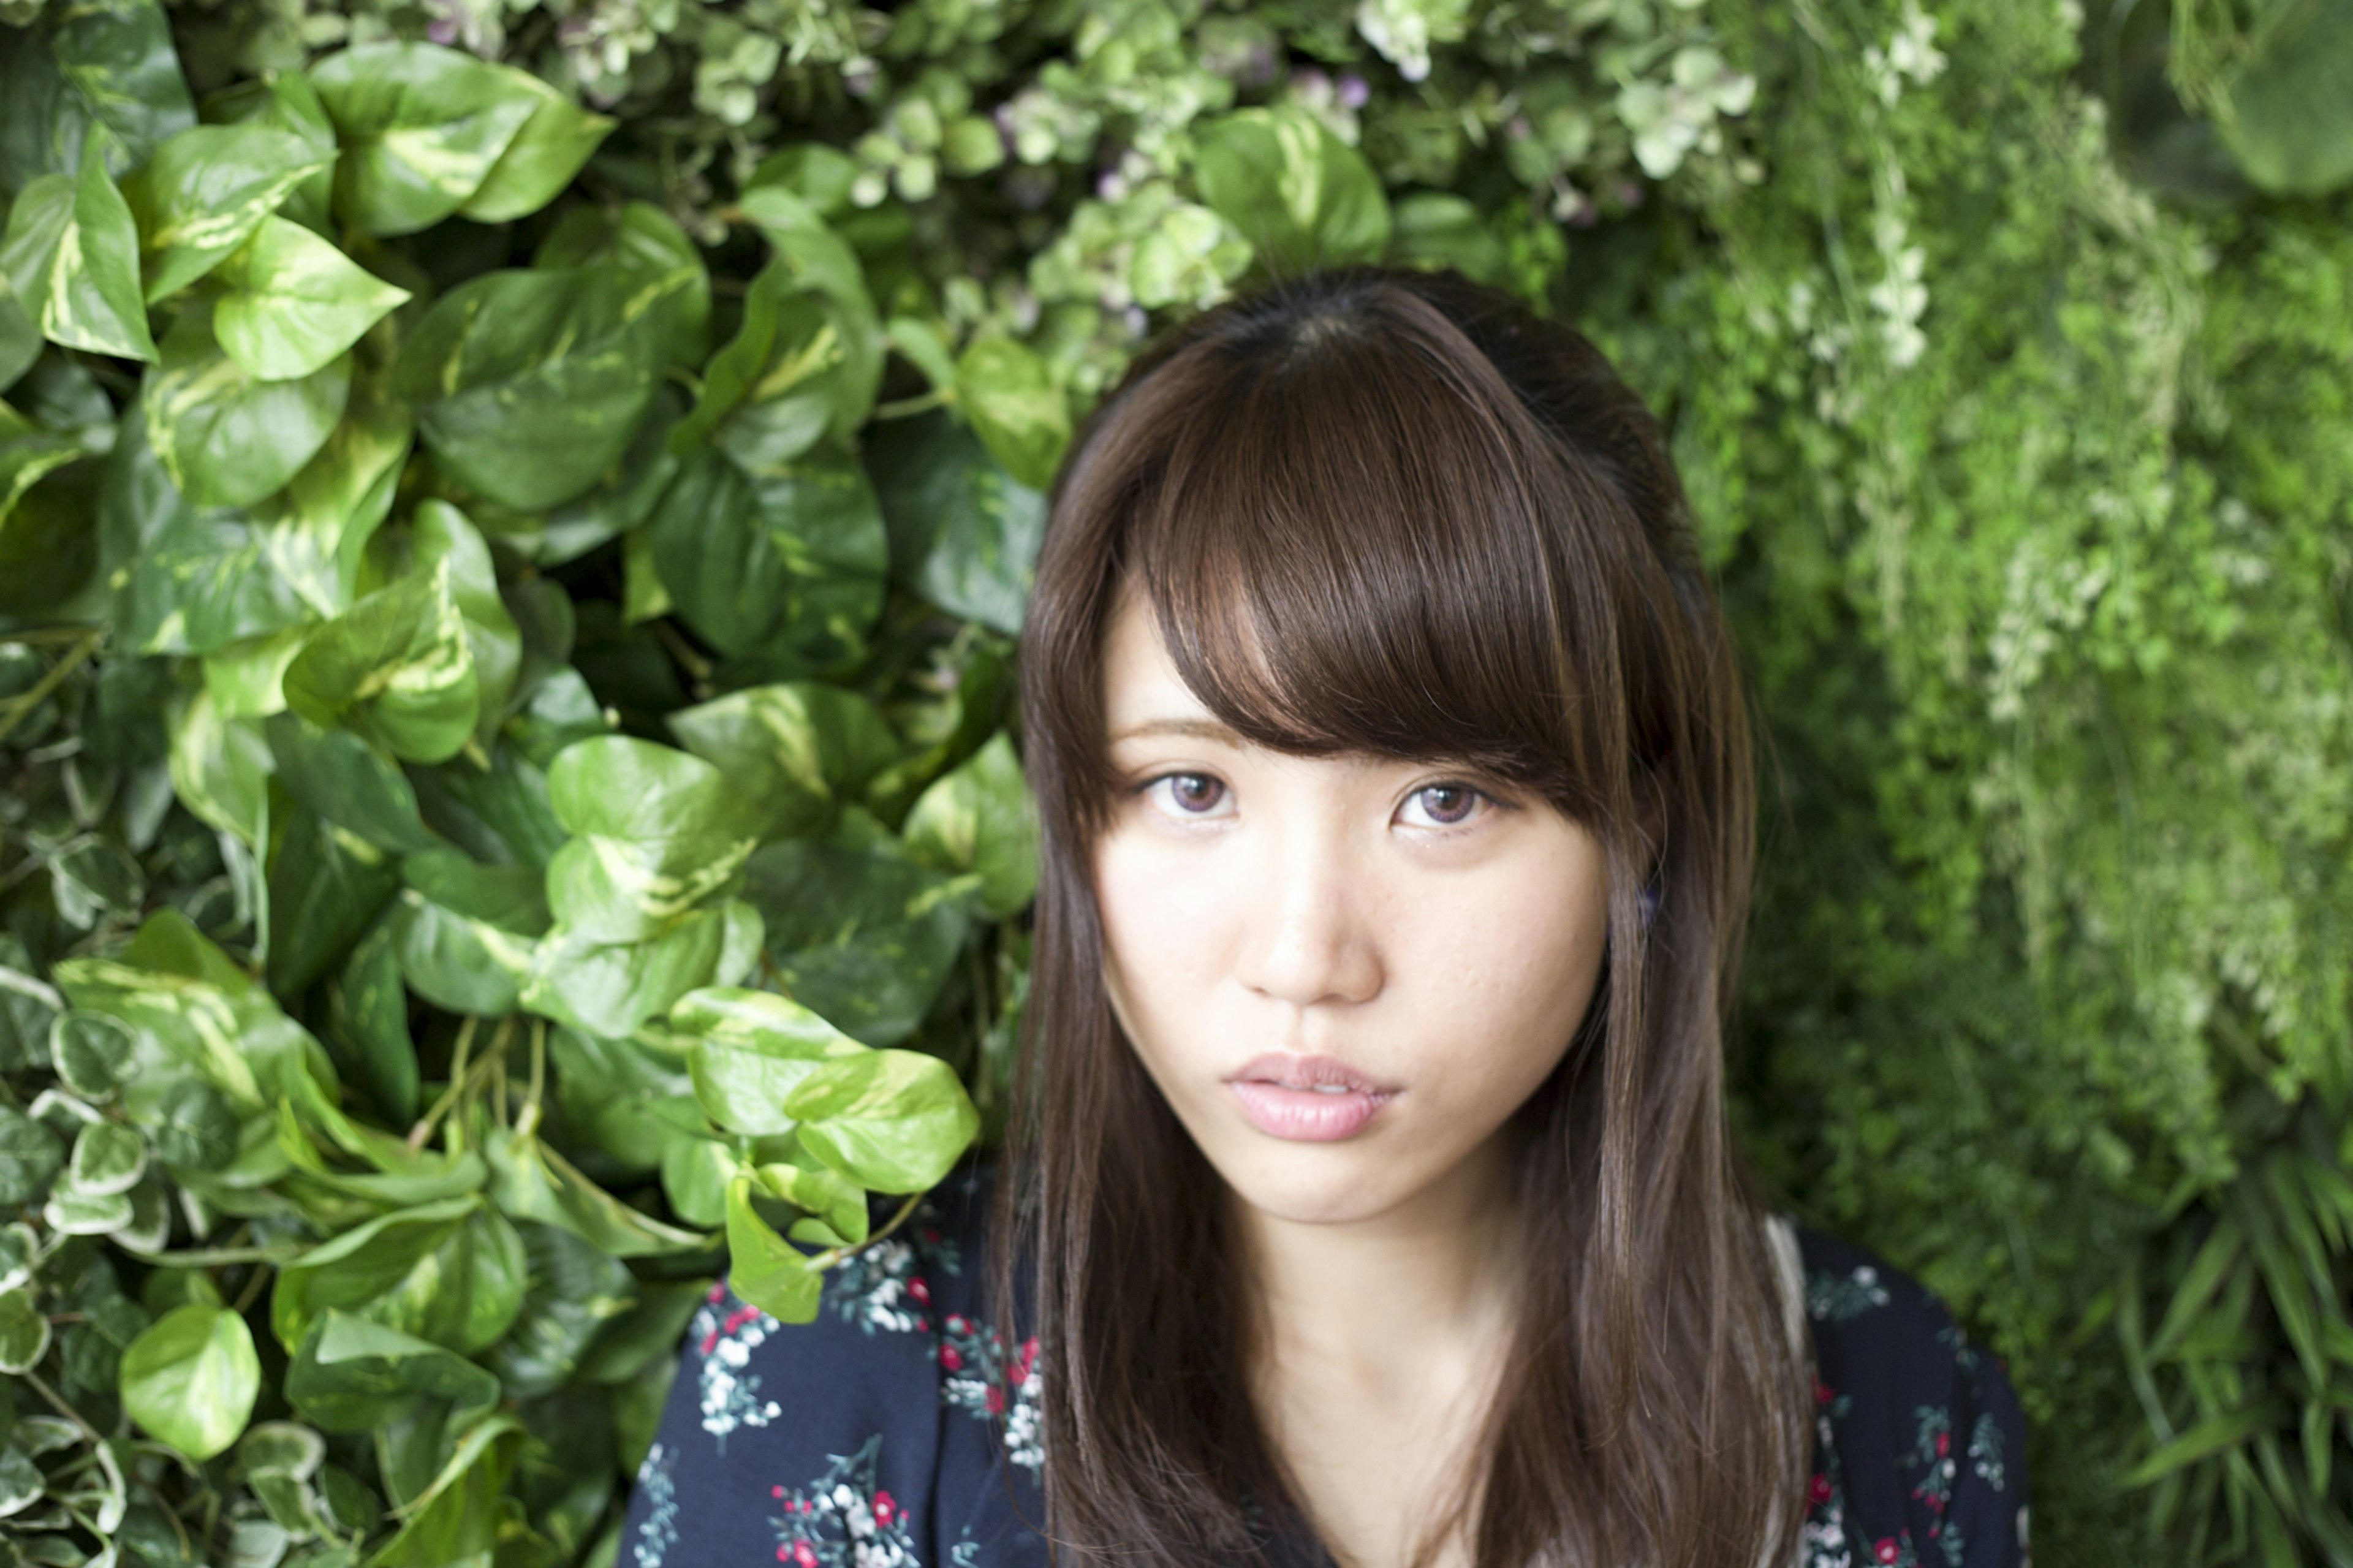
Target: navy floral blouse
[{"x": 901, "y": 1429}]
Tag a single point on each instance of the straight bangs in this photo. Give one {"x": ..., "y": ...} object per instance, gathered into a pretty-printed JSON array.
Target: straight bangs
[
  {"x": 1389, "y": 512},
  {"x": 1355, "y": 547}
]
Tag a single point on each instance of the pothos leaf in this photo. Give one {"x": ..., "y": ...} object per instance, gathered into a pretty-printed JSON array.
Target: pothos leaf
[
  {"x": 71, "y": 254},
  {"x": 396, "y": 667},
  {"x": 751, "y": 1049},
  {"x": 528, "y": 385},
  {"x": 1011, "y": 398},
  {"x": 799, "y": 749},
  {"x": 981, "y": 817},
  {"x": 205, "y": 190},
  {"x": 226, "y": 436},
  {"x": 964, "y": 531},
  {"x": 442, "y": 533},
  {"x": 808, "y": 360},
  {"x": 464, "y": 932},
  {"x": 350, "y": 1373},
  {"x": 294, "y": 302},
  {"x": 643, "y": 239},
  {"x": 541, "y": 159},
  {"x": 893, "y": 1121},
  {"x": 191, "y": 1010},
  {"x": 791, "y": 562},
  {"x": 422, "y": 126},
  {"x": 118, "y": 58},
  {"x": 1297, "y": 192},
  {"x": 763, "y": 1267},
  {"x": 192, "y": 1377},
  {"x": 531, "y": 1181}
]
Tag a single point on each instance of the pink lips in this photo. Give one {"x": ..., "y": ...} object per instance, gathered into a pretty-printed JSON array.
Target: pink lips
[{"x": 1314, "y": 1099}]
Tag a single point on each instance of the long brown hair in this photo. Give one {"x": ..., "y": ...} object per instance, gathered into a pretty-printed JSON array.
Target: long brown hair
[{"x": 1447, "y": 528}]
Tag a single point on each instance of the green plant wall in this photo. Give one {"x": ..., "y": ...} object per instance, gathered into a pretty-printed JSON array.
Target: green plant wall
[{"x": 515, "y": 515}]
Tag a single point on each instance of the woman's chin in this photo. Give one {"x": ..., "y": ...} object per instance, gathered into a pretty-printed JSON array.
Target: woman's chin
[{"x": 1304, "y": 1183}]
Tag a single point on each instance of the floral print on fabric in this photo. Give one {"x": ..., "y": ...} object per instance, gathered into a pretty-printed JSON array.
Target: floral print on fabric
[
  {"x": 843, "y": 1518},
  {"x": 1892, "y": 1358},
  {"x": 657, "y": 1531},
  {"x": 1822, "y": 1542},
  {"x": 888, "y": 1285},
  {"x": 901, "y": 1428},
  {"x": 976, "y": 1374},
  {"x": 1834, "y": 1298},
  {"x": 724, "y": 1334}
]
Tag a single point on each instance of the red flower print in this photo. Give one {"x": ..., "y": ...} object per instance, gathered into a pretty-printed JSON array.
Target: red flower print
[
  {"x": 951, "y": 1358},
  {"x": 716, "y": 1294},
  {"x": 956, "y": 1323},
  {"x": 805, "y": 1555},
  {"x": 1944, "y": 1444},
  {"x": 1819, "y": 1492},
  {"x": 776, "y": 1492},
  {"x": 995, "y": 1400},
  {"x": 885, "y": 1510},
  {"x": 1883, "y": 1549},
  {"x": 1823, "y": 1392},
  {"x": 919, "y": 1291}
]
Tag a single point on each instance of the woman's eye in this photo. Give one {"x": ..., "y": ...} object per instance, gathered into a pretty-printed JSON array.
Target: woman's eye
[
  {"x": 1448, "y": 805},
  {"x": 1188, "y": 795}
]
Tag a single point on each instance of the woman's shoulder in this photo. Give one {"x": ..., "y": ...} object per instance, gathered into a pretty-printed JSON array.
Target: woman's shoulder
[{"x": 1920, "y": 1443}]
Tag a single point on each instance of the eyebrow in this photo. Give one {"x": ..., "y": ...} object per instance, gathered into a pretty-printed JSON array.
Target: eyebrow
[{"x": 1193, "y": 728}]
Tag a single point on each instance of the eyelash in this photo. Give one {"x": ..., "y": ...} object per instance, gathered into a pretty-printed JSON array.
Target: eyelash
[{"x": 1464, "y": 784}]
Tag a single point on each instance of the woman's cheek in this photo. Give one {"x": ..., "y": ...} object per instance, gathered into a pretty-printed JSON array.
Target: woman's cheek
[
  {"x": 1505, "y": 984},
  {"x": 1162, "y": 921}
]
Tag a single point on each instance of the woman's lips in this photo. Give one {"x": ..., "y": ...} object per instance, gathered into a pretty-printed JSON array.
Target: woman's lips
[{"x": 1312, "y": 1099}]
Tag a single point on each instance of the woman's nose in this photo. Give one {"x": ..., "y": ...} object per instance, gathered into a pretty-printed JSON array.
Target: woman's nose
[{"x": 1310, "y": 935}]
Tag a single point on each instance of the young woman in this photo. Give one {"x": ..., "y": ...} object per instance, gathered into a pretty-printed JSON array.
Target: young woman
[{"x": 1368, "y": 1195}]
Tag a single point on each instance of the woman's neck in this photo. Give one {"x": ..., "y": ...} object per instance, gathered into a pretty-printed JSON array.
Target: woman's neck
[{"x": 1341, "y": 1300}]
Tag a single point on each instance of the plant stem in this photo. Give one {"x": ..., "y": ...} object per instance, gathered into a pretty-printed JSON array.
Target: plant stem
[
  {"x": 59, "y": 1405},
  {"x": 827, "y": 1259},
  {"x": 252, "y": 1291},
  {"x": 527, "y": 1123},
  {"x": 693, "y": 663},
  {"x": 25, "y": 702},
  {"x": 900, "y": 409},
  {"x": 457, "y": 1065},
  {"x": 211, "y": 1258}
]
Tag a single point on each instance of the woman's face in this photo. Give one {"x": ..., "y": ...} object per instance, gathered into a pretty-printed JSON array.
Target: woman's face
[{"x": 1344, "y": 973}]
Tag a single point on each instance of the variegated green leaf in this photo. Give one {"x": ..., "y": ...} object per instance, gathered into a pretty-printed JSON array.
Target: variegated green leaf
[
  {"x": 192, "y": 1378},
  {"x": 191, "y": 1010},
  {"x": 443, "y": 532},
  {"x": 981, "y": 817},
  {"x": 541, "y": 159},
  {"x": 799, "y": 749},
  {"x": 394, "y": 667},
  {"x": 224, "y": 435},
  {"x": 315, "y": 532},
  {"x": 294, "y": 302},
  {"x": 27, "y": 452},
  {"x": 421, "y": 125},
  {"x": 528, "y": 385},
  {"x": 119, "y": 58},
  {"x": 205, "y": 190},
  {"x": 1014, "y": 405},
  {"x": 72, "y": 257}
]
